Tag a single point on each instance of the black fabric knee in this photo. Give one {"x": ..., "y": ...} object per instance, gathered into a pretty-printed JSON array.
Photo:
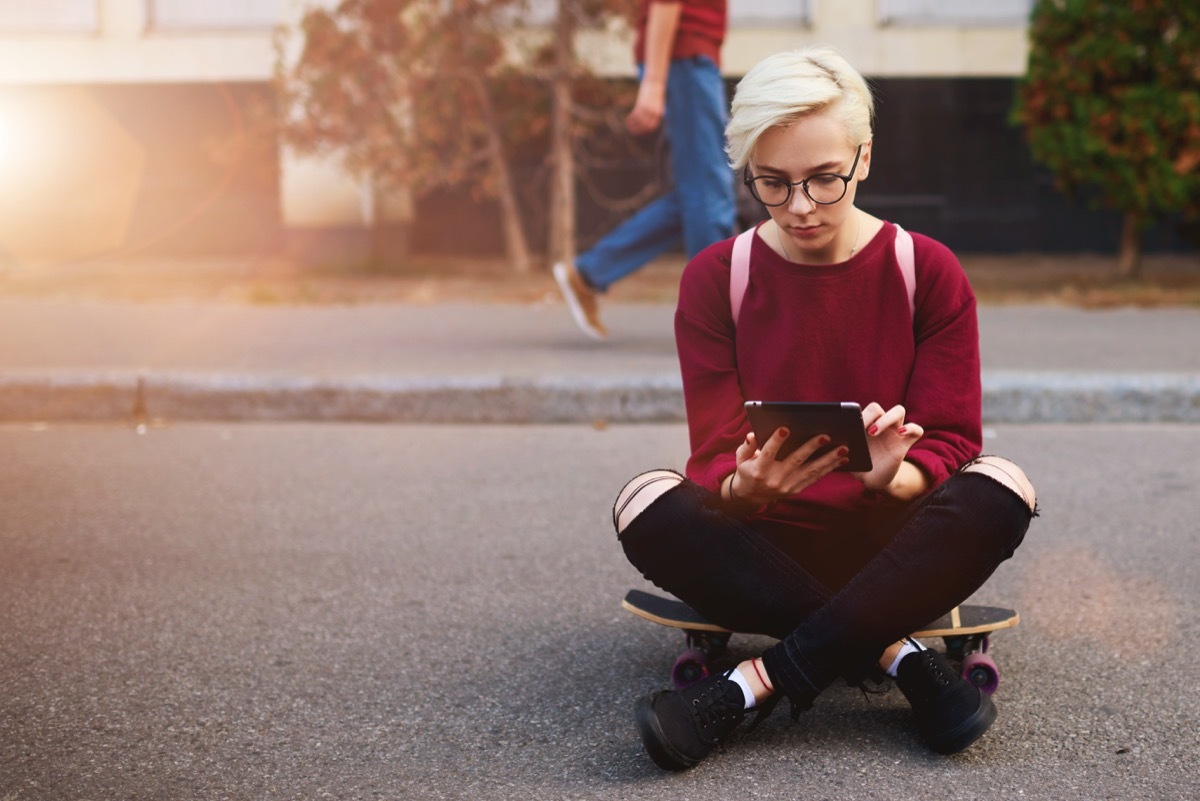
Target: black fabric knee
[
  {"x": 947, "y": 545},
  {"x": 687, "y": 544}
]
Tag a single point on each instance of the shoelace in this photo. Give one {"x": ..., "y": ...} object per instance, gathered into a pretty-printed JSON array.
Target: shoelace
[
  {"x": 881, "y": 688},
  {"x": 935, "y": 670},
  {"x": 721, "y": 707},
  {"x": 714, "y": 705}
]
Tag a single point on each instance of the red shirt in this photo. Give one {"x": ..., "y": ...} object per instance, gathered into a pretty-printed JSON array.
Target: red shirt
[
  {"x": 839, "y": 332},
  {"x": 701, "y": 30}
]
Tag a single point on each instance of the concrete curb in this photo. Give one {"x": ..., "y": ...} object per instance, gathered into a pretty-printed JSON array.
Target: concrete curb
[
  {"x": 1014, "y": 397},
  {"x": 1035, "y": 397}
]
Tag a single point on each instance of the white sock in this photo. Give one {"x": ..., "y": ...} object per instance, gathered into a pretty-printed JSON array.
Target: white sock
[
  {"x": 737, "y": 678},
  {"x": 910, "y": 646}
]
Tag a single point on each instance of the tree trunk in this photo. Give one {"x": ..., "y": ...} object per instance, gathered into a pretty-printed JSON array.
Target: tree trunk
[
  {"x": 1129, "y": 260},
  {"x": 388, "y": 216},
  {"x": 398, "y": 205},
  {"x": 562, "y": 206},
  {"x": 391, "y": 234},
  {"x": 510, "y": 211}
]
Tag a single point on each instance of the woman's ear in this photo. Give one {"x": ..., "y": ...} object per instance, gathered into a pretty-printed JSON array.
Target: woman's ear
[{"x": 864, "y": 161}]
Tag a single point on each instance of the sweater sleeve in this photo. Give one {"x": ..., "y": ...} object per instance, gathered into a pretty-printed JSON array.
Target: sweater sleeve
[
  {"x": 704, "y": 336},
  {"x": 945, "y": 395}
]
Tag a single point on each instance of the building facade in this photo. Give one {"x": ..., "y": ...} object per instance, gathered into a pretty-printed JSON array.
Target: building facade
[{"x": 126, "y": 128}]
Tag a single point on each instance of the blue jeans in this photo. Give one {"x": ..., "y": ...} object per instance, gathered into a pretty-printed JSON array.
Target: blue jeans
[
  {"x": 912, "y": 564},
  {"x": 700, "y": 207}
]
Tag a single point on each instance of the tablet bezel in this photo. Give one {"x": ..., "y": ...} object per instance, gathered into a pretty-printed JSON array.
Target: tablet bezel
[{"x": 805, "y": 420}]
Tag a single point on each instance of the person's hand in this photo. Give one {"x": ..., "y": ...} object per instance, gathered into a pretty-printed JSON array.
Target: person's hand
[
  {"x": 648, "y": 109},
  {"x": 888, "y": 437},
  {"x": 761, "y": 478}
]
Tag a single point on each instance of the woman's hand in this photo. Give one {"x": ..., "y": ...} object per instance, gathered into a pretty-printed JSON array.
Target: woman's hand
[
  {"x": 889, "y": 437},
  {"x": 761, "y": 478}
]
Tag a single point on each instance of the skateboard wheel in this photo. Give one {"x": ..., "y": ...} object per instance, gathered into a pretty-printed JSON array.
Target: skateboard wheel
[
  {"x": 981, "y": 670},
  {"x": 690, "y": 667}
]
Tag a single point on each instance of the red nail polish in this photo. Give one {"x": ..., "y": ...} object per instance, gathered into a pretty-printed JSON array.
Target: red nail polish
[
  {"x": 873, "y": 430},
  {"x": 902, "y": 430},
  {"x": 783, "y": 432},
  {"x": 843, "y": 451}
]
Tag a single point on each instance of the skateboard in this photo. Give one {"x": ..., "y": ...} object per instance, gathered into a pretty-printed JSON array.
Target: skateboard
[{"x": 965, "y": 631}]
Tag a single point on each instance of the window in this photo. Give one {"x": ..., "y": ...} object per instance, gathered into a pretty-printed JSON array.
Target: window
[
  {"x": 954, "y": 12},
  {"x": 49, "y": 16},
  {"x": 191, "y": 15},
  {"x": 749, "y": 13}
]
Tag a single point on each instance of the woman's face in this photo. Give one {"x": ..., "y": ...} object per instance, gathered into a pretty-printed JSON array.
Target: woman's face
[{"x": 814, "y": 233}]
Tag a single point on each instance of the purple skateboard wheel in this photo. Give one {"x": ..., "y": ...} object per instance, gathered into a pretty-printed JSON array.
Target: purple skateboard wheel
[
  {"x": 690, "y": 667},
  {"x": 981, "y": 670}
]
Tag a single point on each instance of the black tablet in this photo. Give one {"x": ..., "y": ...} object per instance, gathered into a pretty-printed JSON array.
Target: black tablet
[{"x": 841, "y": 421}]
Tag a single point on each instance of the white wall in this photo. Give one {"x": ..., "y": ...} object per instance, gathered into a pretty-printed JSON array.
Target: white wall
[
  {"x": 882, "y": 38},
  {"x": 139, "y": 41},
  {"x": 106, "y": 41},
  {"x": 164, "y": 41}
]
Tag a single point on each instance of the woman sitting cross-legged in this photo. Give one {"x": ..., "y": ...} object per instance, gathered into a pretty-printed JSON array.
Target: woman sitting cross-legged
[{"x": 839, "y": 566}]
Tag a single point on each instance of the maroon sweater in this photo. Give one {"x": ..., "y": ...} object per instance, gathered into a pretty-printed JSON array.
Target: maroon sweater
[
  {"x": 701, "y": 30},
  {"x": 839, "y": 332}
]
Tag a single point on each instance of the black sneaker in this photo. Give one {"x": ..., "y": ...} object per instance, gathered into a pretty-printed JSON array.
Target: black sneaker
[
  {"x": 950, "y": 712},
  {"x": 680, "y": 727}
]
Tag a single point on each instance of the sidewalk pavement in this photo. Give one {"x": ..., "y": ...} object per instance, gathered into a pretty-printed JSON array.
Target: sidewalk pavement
[{"x": 79, "y": 361}]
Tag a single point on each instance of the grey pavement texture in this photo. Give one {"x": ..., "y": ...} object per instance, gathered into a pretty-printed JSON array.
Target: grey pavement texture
[
  {"x": 63, "y": 360},
  {"x": 346, "y": 611}
]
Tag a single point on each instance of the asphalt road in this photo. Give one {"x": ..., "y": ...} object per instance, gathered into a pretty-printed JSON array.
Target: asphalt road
[{"x": 422, "y": 612}]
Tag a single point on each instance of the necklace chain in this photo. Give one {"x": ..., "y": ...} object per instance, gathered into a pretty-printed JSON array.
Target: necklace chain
[
  {"x": 779, "y": 239},
  {"x": 853, "y": 248}
]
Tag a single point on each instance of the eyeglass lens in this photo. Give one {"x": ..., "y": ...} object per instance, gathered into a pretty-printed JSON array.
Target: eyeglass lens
[{"x": 825, "y": 188}]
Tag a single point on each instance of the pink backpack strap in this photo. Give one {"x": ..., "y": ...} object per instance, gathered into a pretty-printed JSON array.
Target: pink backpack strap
[
  {"x": 906, "y": 256},
  {"x": 739, "y": 271}
]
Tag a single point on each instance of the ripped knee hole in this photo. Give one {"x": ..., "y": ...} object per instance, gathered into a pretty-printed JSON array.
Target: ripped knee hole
[
  {"x": 1005, "y": 472},
  {"x": 639, "y": 493}
]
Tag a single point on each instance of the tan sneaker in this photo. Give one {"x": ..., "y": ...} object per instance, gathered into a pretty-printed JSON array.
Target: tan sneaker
[{"x": 581, "y": 300}]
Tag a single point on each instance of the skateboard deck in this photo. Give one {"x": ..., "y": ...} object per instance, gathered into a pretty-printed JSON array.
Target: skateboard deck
[{"x": 964, "y": 631}]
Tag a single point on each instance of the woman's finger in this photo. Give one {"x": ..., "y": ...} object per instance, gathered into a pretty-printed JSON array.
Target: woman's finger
[
  {"x": 870, "y": 413},
  {"x": 771, "y": 447},
  {"x": 747, "y": 449},
  {"x": 893, "y": 417},
  {"x": 805, "y": 451},
  {"x": 814, "y": 470}
]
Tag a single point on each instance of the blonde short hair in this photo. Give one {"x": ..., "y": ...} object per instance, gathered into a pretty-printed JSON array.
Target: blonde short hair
[{"x": 786, "y": 87}]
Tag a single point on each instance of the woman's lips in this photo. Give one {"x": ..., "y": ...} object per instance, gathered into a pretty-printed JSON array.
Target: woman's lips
[{"x": 804, "y": 232}]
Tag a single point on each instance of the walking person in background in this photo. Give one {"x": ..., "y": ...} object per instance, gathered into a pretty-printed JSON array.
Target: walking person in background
[
  {"x": 840, "y": 566},
  {"x": 678, "y": 50}
]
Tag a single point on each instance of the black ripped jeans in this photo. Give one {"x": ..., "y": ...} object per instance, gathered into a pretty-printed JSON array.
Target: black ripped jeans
[{"x": 922, "y": 560}]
